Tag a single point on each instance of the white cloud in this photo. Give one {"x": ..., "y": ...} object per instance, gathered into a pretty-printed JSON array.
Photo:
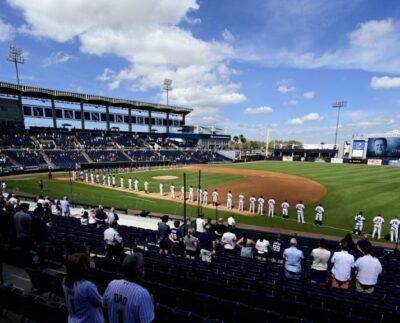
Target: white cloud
[
  {"x": 149, "y": 35},
  {"x": 56, "y": 58},
  {"x": 227, "y": 35},
  {"x": 286, "y": 89},
  {"x": 293, "y": 102},
  {"x": 309, "y": 117},
  {"x": 309, "y": 95},
  {"x": 7, "y": 32},
  {"x": 258, "y": 110},
  {"x": 372, "y": 123},
  {"x": 385, "y": 82}
]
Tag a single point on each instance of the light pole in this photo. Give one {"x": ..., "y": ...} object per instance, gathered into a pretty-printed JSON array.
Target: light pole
[
  {"x": 338, "y": 105},
  {"x": 167, "y": 86},
  {"x": 16, "y": 55}
]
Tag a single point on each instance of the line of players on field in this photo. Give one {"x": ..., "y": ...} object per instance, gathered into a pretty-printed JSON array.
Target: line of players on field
[{"x": 256, "y": 205}]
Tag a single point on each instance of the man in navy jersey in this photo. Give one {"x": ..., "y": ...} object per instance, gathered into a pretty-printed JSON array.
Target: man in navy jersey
[
  {"x": 277, "y": 248},
  {"x": 125, "y": 300},
  {"x": 176, "y": 238}
]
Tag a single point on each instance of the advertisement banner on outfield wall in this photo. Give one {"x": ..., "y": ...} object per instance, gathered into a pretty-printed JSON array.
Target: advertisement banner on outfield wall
[
  {"x": 358, "y": 148},
  {"x": 394, "y": 162},
  {"x": 287, "y": 158},
  {"x": 336, "y": 160},
  {"x": 376, "y": 162},
  {"x": 384, "y": 147}
]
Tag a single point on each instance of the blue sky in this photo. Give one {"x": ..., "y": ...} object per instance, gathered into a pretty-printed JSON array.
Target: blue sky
[{"x": 242, "y": 65}]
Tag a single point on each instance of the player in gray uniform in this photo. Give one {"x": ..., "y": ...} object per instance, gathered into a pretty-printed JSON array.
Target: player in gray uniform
[
  {"x": 394, "y": 229},
  {"x": 359, "y": 219},
  {"x": 285, "y": 209},
  {"x": 319, "y": 212}
]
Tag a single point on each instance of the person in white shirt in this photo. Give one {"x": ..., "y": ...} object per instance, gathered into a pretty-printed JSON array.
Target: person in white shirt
[
  {"x": 300, "y": 212},
  {"x": 191, "y": 198},
  {"x": 122, "y": 182},
  {"x": 182, "y": 192},
  {"x": 205, "y": 197},
  {"x": 271, "y": 207},
  {"x": 394, "y": 229},
  {"x": 260, "y": 210},
  {"x": 241, "y": 202},
  {"x": 252, "y": 201},
  {"x": 262, "y": 245},
  {"x": 136, "y": 185},
  {"x": 3, "y": 186},
  {"x": 112, "y": 216},
  {"x": 319, "y": 267},
  {"x": 113, "y": 241},
  {"x": 359, "y": 219},
  {"x": 231, "y": 222},
  {"x": 368, "y": 269},
  {"x": 229, "y": 198},
  {"x": 285, "y": 209},
  {"x": 229, "y": 240},
  {"x": 146, "y": 187},
  {"x": 319, "y": 212},
  {"x": 342, "y": 262},
  {"x": 215, "y": 197},
  {"x": 130, "y": 183},
  {"x": 378, "y": 223},
  {"x": 172, "y": 189},
  {"x": 200, "y": 223},
  {"x": 161, "y": 189}
]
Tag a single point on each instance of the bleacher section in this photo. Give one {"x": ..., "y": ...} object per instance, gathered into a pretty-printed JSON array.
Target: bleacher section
[
  {"x": 15, "y": 140},
  {"x": 67, "y": 159},
  {"x": 101, "y": 156},
  {"x": 27, "y": 158}
]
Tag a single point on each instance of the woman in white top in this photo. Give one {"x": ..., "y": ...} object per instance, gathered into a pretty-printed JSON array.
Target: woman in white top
[
  {"x": 262, "y": 245},
  {"x": 319, "y": 267}
]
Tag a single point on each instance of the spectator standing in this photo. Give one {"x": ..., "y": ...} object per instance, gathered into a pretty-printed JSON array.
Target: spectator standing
[
  {"x": 342, "y": 262},
  {"x": 65, "y": 207},
  {"x": 200, "y": 224},
  {"x": 368, "y": 270},
  {"x": 191, "y": 243},
  {"x": 101, "y": 216},
  {"x": 362, "y": 245},
  {"x": 220, "y": 228},
  {"x": 163, "y": 234},
  {"x": 113, "y": 242},
  {"x": 262, "y": 245},
  {"x": 277, "y": 248},
  {"x": 293, "y": 257},
  {"x": 23, "y": 226},
  {"x": 175, "y": 237},
  {"x": 319, "y": 267},
  {"x": 229, "y": 239},
  {"x": 124, "y": 299},
  {"x": 81, "y": 296},
  {"x": 112, "y": 216},
  {"x": 207, "y": 245},
  {"x": 246, "y": 245}
]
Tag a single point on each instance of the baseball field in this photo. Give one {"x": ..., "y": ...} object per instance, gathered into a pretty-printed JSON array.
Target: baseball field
[{"x": 343, "y": 189}]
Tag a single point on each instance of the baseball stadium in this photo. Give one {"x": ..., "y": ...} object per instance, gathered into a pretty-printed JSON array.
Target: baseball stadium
[{"x": 127, "y": 210}]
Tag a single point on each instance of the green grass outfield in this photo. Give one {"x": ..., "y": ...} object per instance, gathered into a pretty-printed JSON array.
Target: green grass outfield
[{"x": 350, "y": 188}]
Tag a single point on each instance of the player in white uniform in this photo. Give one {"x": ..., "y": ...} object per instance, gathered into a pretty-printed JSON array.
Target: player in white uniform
[
  {"x": 86, "y": 177},
  {"x": 205, "y": 197},
  {"x": 261, "y": 201},
  {"x": 191, "y": 197},
  {"x": 113, "y": 180},
  {"x": 229, "y": 198},
  {"x": 146, "y": 187},
  {"x": 172, "y": 189},
  {"x": 359, "y": 218},
  {"x": 271, "y": 207},
  {"x": 319, "y": 212},
  {"x": 73, "y": 176},
  {"x": 122, "y": 182},
  {"x": 199, "y": 195},
  {"x": 394, "y": 229},
  {"x": 285, "y": 209},
  {"x": 136, "y": 185},
  {"x": 161, "y": 189},
  {"x": 130, "y": 183},
  {"x": 97, "y": 178},
  {"x": 252, "y": 201},
  {"x": 182, "y": 192},
  {"x": 215, "y": 197},
  {"x": 378, "y": 222},
  {"x": 241, "y": 202},
  {"x": 300, "y": 212},
  {"x": 104, "y": 180},
  {"x": 92, "y": 178},
  {"x": 109, "y": 180}
]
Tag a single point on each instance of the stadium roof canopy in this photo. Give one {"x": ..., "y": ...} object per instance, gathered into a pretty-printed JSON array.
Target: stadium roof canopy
[{"x": 74, "y": 97}]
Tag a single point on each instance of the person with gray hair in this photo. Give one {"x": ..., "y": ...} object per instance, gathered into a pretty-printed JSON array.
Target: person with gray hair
[
  {"x": 292, "y": 258},
  {"x": 124, "y": 299}
]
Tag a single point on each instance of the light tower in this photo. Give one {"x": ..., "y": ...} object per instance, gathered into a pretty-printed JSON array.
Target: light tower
[
  {"x": 338, "y": 105},
  {"x": 167, "y": 86},
  {"x": 16, "y": 55}
]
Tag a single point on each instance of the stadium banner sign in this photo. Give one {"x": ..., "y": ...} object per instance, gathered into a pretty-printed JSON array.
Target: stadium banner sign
[
  {"x": 287, "y": 158},
  {"x": 71, "y": 114},
  {"x": 358, "y": 148},
  {"x": 336, "y": 160},
  {"x": 376, "y": 162},
  {"x": 383, "y": 147},
  {"x": 394, "y": 162},
  {"x": 355, "y": 161}
]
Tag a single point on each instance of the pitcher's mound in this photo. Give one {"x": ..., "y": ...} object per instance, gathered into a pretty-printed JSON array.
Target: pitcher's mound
[{"x": 165, "y": 177}]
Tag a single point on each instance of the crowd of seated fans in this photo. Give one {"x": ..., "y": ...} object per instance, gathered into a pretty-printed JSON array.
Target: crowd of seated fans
[
  {"x": 106, "y": 155},
  {"x": 66, "y": 159},
  {"x": 94, "y": 140},
  {"x": 128, "y": 140},
  {"x": 26, "y": 157},
  {"x": 63, "y": 140},
  {"x": 15, "y": 140}
]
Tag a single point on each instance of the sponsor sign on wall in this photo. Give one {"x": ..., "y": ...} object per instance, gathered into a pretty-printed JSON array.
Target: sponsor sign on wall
[
  {"x": 358, "y": 148},
  {"x": 337, "y": 160},
  {"x": 287, "y": 158},
  {"x": 384, "y": 147},
  {"x": 376, "y": 162},
  {"x": 394, "y": 162}
]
